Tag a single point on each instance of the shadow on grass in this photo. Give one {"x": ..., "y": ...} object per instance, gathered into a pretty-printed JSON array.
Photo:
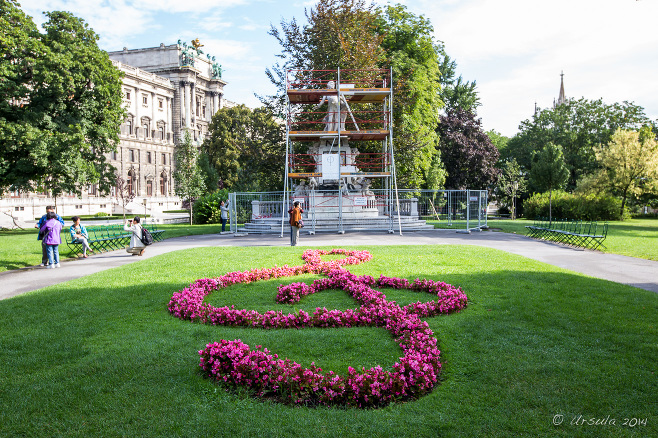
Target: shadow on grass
[{"x": 109, "y": 360}]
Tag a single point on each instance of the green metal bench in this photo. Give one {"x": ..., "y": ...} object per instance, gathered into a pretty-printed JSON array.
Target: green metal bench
[{"x": 569, "y": 232}]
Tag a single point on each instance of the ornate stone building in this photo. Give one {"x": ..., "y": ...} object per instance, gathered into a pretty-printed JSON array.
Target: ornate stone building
[{"x": 166, "y": 90}]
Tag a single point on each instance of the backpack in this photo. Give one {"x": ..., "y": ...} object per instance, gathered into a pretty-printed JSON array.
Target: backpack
[{"x": 147, "y": 238}]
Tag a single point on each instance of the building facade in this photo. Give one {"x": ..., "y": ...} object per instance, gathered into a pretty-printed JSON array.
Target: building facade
[{"x": 166, "y": 91}]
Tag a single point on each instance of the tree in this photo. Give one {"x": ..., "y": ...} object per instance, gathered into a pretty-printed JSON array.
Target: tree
[
  {"x": 187, "y": 176},
  {"x": 498, "y": 140},
  {"x": 455, "y": 92},
  {"x": 410, "y": 49},
  {"x": 467, "y": 152},
  {"x": 124, "y": 193},
  {"x": 511, "y": 184},
  {"x": 579, "y": 126},
  {"x": 339, "y": 33},
  {"x": 549, "y": 172},
  {"x": 61, "y": 104},
  {"x": 629, "y": 163},
  {"x": 246, "y": 148}
]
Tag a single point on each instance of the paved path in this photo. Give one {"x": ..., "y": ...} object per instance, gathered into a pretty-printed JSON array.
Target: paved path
[{"x": 627, "y": 270}]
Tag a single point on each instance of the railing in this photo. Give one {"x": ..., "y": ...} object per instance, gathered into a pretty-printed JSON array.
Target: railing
[
  {"x": 297, "y": 79},
  {"x": 374, "y": 209},
  {"x": 373, "y": 162}
]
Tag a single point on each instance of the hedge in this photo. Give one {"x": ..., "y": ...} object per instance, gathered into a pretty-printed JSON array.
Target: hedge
[{"x": 574, "y": 206}]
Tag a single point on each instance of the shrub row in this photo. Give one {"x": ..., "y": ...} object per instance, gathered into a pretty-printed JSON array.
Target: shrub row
[{"x": 574, "y": 206}]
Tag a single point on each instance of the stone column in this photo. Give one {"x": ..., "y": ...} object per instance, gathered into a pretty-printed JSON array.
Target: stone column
[
  {"x": 138, "y": 111},
  {"x": 169, "y": 116},
  {"x": 189, "y": 92},
  {"x": 215, "y": 102},
  {"x": 182, "y": 107}
]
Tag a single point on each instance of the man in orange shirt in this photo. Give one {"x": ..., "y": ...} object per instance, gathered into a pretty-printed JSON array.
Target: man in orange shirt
[{"x": 295, "y": 220}]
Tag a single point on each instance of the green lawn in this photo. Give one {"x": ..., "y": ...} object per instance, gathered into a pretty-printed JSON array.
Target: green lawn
[
  {"x": 20, "y": 248},
  {"x": 632, "y": 237},
  {"x": 101, "y": 356}
]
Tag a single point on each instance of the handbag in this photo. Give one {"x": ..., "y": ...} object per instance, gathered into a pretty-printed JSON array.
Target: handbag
[
  {"x": 300, "y": 224},
  {"x": 43, "y": 234}
]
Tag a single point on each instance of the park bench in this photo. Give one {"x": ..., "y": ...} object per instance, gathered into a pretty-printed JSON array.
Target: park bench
[
  {"x": 569, "y": 232},
  {"x": 103, "y": 238}
]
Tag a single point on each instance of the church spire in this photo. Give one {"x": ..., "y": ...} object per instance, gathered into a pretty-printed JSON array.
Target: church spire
[{"x": 561, "y": 98}]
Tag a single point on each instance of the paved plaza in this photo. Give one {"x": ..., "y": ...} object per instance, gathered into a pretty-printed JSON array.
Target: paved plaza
[{"x": 621, "y": 269}]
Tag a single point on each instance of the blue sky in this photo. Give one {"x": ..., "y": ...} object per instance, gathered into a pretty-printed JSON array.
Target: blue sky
[{"x": 514, "y": 49}]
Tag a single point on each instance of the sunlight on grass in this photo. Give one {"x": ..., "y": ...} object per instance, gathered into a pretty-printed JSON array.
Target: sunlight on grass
[{"x": 101, "y": 356}]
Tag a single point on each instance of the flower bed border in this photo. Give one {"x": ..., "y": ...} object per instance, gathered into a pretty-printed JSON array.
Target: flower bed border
[{"x": 233, "y": 362}]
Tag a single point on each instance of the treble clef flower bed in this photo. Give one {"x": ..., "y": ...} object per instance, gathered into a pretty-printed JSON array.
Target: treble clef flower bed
[{"x": 234, "y": 362}]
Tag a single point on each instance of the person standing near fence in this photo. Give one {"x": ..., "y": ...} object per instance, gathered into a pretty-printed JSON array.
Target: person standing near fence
[
  {"x": 44, "y": 249},
  {"x": 295, "y": 218},
  {"x": 136, "y": 246},
  {"x": 51, "y": 230},
  {"x": 224, "y": 215}
]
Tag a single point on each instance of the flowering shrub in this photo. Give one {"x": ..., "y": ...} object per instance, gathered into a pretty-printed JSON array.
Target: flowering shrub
[{"x": 233, "y": 362}]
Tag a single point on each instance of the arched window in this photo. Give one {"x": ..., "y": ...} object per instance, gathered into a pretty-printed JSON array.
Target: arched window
[{"x": 132, "y": 182}]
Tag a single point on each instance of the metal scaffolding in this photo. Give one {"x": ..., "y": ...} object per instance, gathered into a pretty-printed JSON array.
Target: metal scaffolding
[{"x": 360, "y": 108}]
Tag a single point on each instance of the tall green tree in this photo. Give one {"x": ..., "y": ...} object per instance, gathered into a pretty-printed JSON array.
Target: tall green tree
[
  {"x": 579, "y": 126},
  {"x": 456, "y": 93},
  {"x": 188, "y": 177},
  {"x": 549, "y": 172},
  {"x": 246, "y": 148},
  {"x": 629, "y": 164},
  {"x": 60, "y": 104},
  {"x": 414, "y": 55}
]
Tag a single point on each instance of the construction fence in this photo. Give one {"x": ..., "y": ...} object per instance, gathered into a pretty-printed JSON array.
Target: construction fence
[{"x": 330, "y": 211}]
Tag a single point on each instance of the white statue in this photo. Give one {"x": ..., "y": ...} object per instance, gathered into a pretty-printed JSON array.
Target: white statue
[
  {"x": 337, "y": 110},
  {"x": 300, "y": 190},
  {"x": 365, "y": 187},
  {"x": 313, "y": 183}
]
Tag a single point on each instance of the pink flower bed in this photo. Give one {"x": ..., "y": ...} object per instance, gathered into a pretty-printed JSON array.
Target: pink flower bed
[{"x": 233, "y": 362}]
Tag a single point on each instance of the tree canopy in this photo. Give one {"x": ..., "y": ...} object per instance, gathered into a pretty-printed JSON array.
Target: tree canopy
[
  {"x": 629, "y": 164},
  {"x": 549, "y": 171},
  {"x": 246, "y": 148},
  {"x": 579, "y": 126},
  {"x": 469, "y": 156},
  {"x": 60, "y": 105}
]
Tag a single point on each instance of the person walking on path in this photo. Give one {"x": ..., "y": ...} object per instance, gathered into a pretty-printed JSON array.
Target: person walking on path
[
  {"x": 136, "y": 246},
  {"x": 51, "y": 230},
  {"x": 79, "y": 235},
  {"x": 295, "y": 219},
  {"x": 224, "y": 209},
  {"x": 44, "y": 248}
]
